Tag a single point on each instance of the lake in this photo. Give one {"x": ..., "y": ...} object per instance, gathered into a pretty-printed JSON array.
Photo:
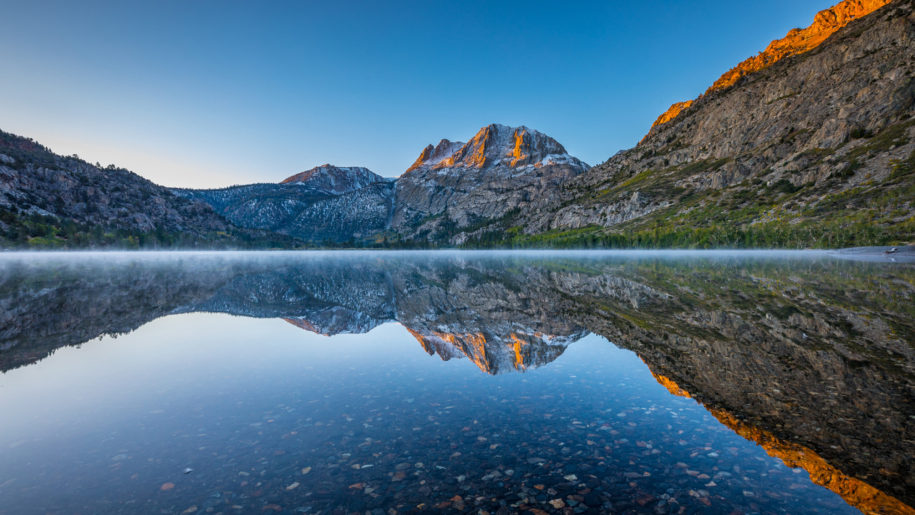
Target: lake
[{"x": 498, "y": 382}]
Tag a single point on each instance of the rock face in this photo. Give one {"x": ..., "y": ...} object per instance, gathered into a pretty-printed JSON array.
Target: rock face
[
  {"x": 797, "y": 41},
  {"x": 326, "y": 204},
  {"x": 53, "y": 200},
  {"x": 672, "y": 112},
  {"x": 433, "y": 156},
  {"x": 819, "y": 145},
  {"x": 453, "y": 189},
  {"x": 335, "y": 180}
]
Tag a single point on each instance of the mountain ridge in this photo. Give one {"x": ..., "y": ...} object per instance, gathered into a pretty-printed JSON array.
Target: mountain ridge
[
  {"x": 816, "y": 150},
  {"x": 493, "y": 145},
  {"x": 335, "y": 180},
  {"x": 797, "y": 41},
  {"x": 451, "y": 189},
  {"x": 49, "y": 200}
]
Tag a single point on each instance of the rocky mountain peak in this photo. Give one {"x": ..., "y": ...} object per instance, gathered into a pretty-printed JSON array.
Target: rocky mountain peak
[
  {"x": 495, "y": 145},
  {"x": 797, "y": 41},
  {"x": 434, "y": 155},
  {"x": 336, "y": 180}
]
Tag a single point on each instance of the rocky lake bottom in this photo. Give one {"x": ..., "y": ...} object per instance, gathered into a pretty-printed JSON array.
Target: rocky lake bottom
[{"x": 398, "y": 382}]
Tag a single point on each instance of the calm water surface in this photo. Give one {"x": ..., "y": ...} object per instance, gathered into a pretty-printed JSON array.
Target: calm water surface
[{"x": 410, "y": 382}]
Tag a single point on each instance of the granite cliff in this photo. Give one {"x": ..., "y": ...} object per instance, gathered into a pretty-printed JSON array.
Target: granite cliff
[
  {"x": 454, "y": 188},
  {"x": 812, "y": 143},
  {"x": 797, "y": 41}
]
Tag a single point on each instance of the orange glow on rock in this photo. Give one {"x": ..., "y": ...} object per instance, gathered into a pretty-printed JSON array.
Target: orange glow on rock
[
  {"x": 797, "y": 41},
  {"x": 304, "y": 324},
  {"x": 855, "y": 492}
]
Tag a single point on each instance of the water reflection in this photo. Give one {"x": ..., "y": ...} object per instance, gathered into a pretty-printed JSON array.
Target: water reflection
[{"x": 809, "y": 357}]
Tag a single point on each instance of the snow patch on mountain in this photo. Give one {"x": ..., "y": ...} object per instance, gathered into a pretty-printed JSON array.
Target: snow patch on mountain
[
  {"x": 335, "y": 180},
  {"x": 497, "y": 145}
]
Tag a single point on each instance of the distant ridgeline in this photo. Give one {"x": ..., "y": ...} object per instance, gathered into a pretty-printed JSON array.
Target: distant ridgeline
[
  {"x": 49, "y": 201},
  {"x": 808, "y": 144}
]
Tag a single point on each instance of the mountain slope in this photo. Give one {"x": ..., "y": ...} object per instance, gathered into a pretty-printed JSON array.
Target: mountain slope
[
  {"x": 814, "y": 150},
  {"x": 796, "y": 42},
  {"x": 326, "y": 204},
  {"x": 453, "y": 189},
  {"x": 48, "y": 200}
]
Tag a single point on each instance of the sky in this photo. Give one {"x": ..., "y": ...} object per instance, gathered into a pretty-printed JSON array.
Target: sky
[{"x": 199, "y": 93}]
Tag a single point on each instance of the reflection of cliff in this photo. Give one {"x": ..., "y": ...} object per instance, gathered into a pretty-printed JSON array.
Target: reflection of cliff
[
  {"x": 43, "y": 309},
  {"x": 814, "y": 357},
  {"x": 452, "y": 311},
  {"x": 454, "y": 317},
  {"x": 478, "y": 312},
  {"x": 326, "y": 296},
  {"x": 855, "y": 492},
  {"x": 819, "y": 355},
  {"x": 494, "y": 354}
]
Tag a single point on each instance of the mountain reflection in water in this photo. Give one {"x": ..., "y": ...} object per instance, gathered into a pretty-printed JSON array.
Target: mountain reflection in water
[{"x": 809, "y": 357}]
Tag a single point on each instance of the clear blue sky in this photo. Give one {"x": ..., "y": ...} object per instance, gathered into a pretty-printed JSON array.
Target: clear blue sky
[{"x": 212, "y": 93}]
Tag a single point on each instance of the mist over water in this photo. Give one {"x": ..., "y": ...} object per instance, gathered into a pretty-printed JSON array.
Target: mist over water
[{"x": 304, "y": 382}]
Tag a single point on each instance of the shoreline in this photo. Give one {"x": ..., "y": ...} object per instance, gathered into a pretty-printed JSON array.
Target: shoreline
[
  {"x": 883, "y": 254},
  {"x": 900, "y": 254}
]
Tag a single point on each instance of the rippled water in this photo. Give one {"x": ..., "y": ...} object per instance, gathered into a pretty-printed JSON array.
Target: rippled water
[{"x": 361, "y": 382}]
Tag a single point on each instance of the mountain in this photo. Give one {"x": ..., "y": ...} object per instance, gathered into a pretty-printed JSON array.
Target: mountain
[
  {"x": 49, "y": 200},
  {"x": 326, "y": 204},
  {"x": 432, "y": 156},
  {"x": 808, "y": 144},
  {"x": 335, "y": 180},
  {"x": 454, "y": 189},
  {"x": 797, "y": 41}
]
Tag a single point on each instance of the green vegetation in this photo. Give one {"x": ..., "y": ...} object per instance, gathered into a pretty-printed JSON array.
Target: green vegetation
[
  {"x": 856, "y": 217},
  {"x": 47, "y": 232},
  {"x": 837, "y": 234},
  {"x": 786, "y": 213}
]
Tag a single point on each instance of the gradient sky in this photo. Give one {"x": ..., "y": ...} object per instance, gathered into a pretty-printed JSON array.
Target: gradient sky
[{"x": 208, "y": 94}]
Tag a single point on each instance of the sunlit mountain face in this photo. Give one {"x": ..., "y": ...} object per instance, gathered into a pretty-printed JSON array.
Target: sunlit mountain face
[{"x": 786, "y": 382}]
